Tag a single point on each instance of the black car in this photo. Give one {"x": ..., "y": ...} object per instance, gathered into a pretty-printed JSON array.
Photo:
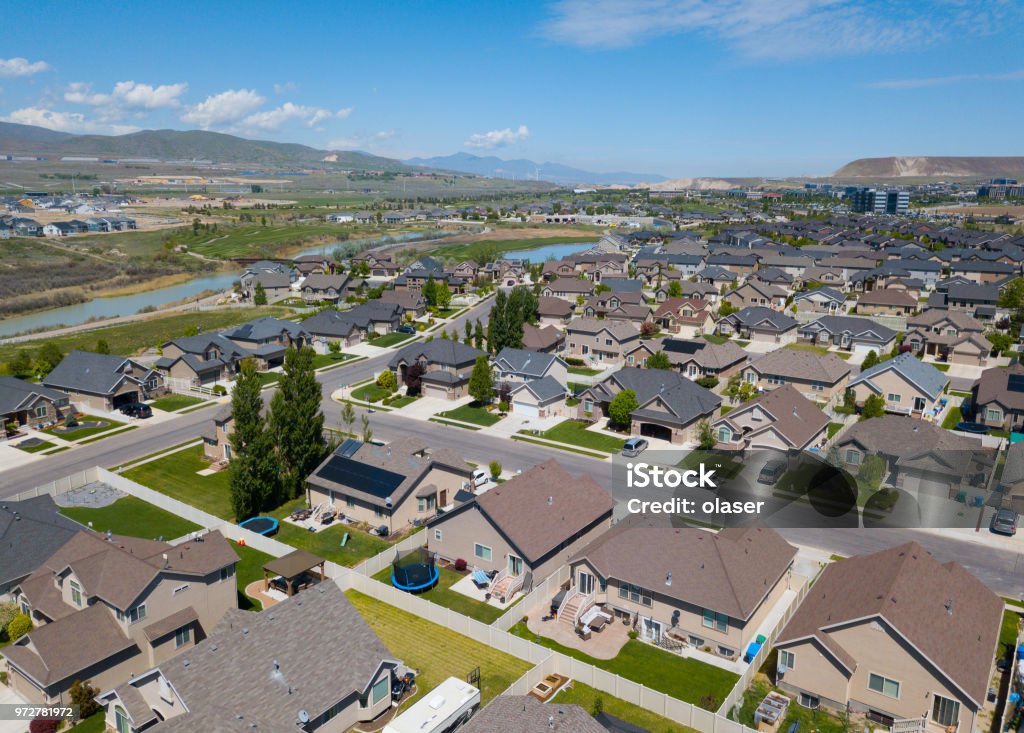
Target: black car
[
  {"x": 137, "y": 409},
  {"x": 406, "y": 329}
]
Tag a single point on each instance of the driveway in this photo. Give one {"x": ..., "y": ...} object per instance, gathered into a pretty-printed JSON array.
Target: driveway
[{"x": 10, "y": 697}]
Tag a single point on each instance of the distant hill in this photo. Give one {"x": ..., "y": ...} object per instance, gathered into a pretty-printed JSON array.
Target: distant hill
[
  {"x": 930, "y": 166},
  {"x": 522, "y": 168},
  {"x": 682, "y": 184},
  {"x": 183, "y": 145}
]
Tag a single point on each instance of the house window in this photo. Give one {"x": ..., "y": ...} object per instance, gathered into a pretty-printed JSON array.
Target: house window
[
  {"x": 884, "y": 685},
  {"x": 635, "y": 593},
  {"x": 944, "y": 710},
  {"x": 40, "y": 410},
  {"x": 227, "y": 572},
  {"x": 817, "y": 387},
  {"x": 76, "y": 593},
  {"x": 182, "y": 636},
  {"x": 586, "y": 349},
  {"x": 629, "y": 359},
  {"x": 378, "y": 512},
  {"x": 893, "y": 397},
  {"x": 607, "y": 342},
  {"x": 121, "y": 719},
  {"x": 695, "y": 641},
  {"x": 425, "y": 503},
  {"x": 993, "y": 415},
  {"x": 350, "y": 502},
  {"x": 588, "y": 405},
  {"x": 853, "y": 457},
  {"x": 137, "y": 614},
  {"x": 482, "y": 552},
  {"x": 25, "y": 608},
  {"x": 381, "y": 688},
  {"x": 785, "y": 660},
  {"x": 809, "y": 701},
  {"x": 724, "y": 651},
  {"x": 717, "y": 621},
  {"x": 724, "y": 434}
]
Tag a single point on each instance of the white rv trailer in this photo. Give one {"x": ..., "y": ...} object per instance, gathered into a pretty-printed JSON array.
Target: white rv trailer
[{"x": 441, "y": 710}]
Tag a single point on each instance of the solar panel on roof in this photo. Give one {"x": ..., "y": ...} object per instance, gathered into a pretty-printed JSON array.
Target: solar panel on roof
[
  {"x": 1015, "y": 383},
  {"x": 360, "y": 476},
  {"x": 681, "y": 347},
  {"x": 348, "y": 447}
]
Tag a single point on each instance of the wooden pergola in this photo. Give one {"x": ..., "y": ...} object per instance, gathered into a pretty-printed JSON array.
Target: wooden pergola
[{"x": 291, "y": 566}]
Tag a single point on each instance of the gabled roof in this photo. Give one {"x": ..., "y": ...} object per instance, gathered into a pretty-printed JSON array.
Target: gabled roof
[
  {"x": 761, "y": 317},
  {"x": 793, "y": 416},
  {"x": 888, "y": 296},
  {"x": 30, "y": 531},
  {"x": 540, "y": 339},
  {"x": 18, "y": 394},
  {"x": 84, "y": 371},
  {"x": 548, "y": 305},
  {"x": 570, "y": 285},
  {"x": 525, "y": 714},
  {"x": 861, "y": 328},
  {"x": 824, "y": 292},
  {"x": 264, "y": 328},
  {"x": 619, "y": 329},
  {"x": 1001, "y": 386},
  {"x": 439, "y": 351},
  {"x": 681, "y": 398},
  {"x": 700, "y": 351},
  {"x": 802, "y": 365},
  {"x": 941, "y": 610},
  {"x": 547, "y": 388},
  {"x": 524, "y": 362},
  {"x": 925, "y": 377}
]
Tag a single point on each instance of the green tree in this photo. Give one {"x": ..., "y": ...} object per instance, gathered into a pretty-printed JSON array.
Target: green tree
[
  {"x": 874, "y": 406},
  {"x": 7, "y": 613},
  {"x": 102, "y": 347},
  {"x": 705, "y": 435},
  {"x": 659, "y": 360},
  {"x": 621, "y": 408},
  {"x": 50, "y": 356},
  {"x": 481, "y": 381},
  {"x": 468, "y": 330},
  {"x": 478, "y": 335},
  {"x": 83, "y": 695},
  {"x": 21, "y": 364},
  {"x": 429, "y": 291},
  {"x": 386, "y": 380},
  {"x": 348, "y": 417},
  {"x": 334, "y": 347},
  {"x": 1000, "y": 341},
  {"x": 367, "y": 432},
  {"x": 442, "y": 295},
  {"x": 495, "y": 469},
  {"x": 253, "y": 468},
  {"x": 496, "y": 334},
  {"x": 259, "y": 296},
  {"x": 675, "y": 289},
  {"x": 296, "y": 422},
  {"x": 870, "y": 360},
  {"x": 872, "y": 471},
  {"x": 19, "y": 626}
]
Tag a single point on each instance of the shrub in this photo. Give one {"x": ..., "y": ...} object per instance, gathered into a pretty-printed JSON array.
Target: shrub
[
  {"x": 575, "y": 361},
  {"x": 83, "y": 695},
  {"x": 8, "y": 612},
  {"x": 386, "y": 380},
  {"x": 220, "y": 389},
  {"x": 460, "y": 564},
  {"x": 44, "y": 725},
  {"x": 708, "y": 382},
  {"x": 633, "y": 634},
  {"x": 19, "y": 626},
  {"x": 503, "y": 406},
  {"x": 495, "y": 468}
]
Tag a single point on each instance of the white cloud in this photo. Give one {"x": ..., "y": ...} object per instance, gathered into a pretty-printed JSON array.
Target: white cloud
[
  {"x": 127, "y": 95},
  {"x": 938, "y": 81},
  {"x": 274, "y": 119},
  {"x": 288, "y": 86},
  {"x": 767, "y": 28},
  {"x": 497, "y": 138},
  {"x": 20, "y": 66},
  {"x": 224, "y": 107},
  {"x": 344, "y": 113},
  {"x": 65, "y": 121}
]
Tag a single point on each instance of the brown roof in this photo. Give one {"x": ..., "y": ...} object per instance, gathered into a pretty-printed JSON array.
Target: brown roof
[
  {"x": 730, "y": 571},
  {"x": 901, "y": 435},
  {"x": 888, "y": 296},
  {"x": 620, "y": 330},
  {"x": 933, "y": 316},
  {"x": 408, "y": 299},
  {"x": 793, "y": 416},
  {"x": 293, "y": 564},
  {"x": 672, "y": 306},
  {"x": 525, "y": 714},
  {"x": 803, "y": 365},
  {"x": 520, "y": 510},
  {"x": 539, "y": 339},
  {"x": 570, "y": 285},
  {"x": 58, "y": 650},
  {"x": 170, "y": 624},
  {"x": 548, "y": 305},
  {"x": 992, "y": 386},
  {"x": 943, "y": 611}
]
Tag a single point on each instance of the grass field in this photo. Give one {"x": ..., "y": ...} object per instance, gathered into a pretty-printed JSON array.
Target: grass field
[
  {"x": 471, "y": 413},
  {"x": 493, "y": 248},
  {"x": 327, "y": 542},
  {"x": 559, "y": 446},
  {"x": 325, "y": 360},
  {"x": 819, "y": 350},
  {"x": 715, "y": 338},
  {"x": 403, "y": 401},
  {"x": 255, "y": 240},
  {"x": 41, "y": 446},
  {"x": 442, "y": 595},
  {"x": 587, "y": 698},
  {"x": 584, "y": 371},
  {"x": 131, "y": 338},
  {"x": 833, "y": 428},
  {"x": 369, "y": 393},
  {"x": 249, "y": 569},
  {"x": 1008, "y": 632},
  {"x": 175, "y": 475},
  {"x": 687, "y": 679},
  {"x": 269, "y": 378},
  {"x": 96, "y": 723},
  {"x": 82, "y": 433},
  {"x": 173, "y": 402},
  {"x": 436, "y": 652},
  {"x": 574, "y": 432},
  {"x": 952, "y": 417},
  {"x": 392, "y": 339},
  {"x": 132, "y": 517}
]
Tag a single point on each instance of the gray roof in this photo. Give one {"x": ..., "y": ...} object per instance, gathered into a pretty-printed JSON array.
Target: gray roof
[
  {"x": 829, "y": 293},
  {"x": 525, "y": 714},
  {"x": 341, "y": 323},
  {"x": 264, "y": 328},
  {"x": 438, "y": 351},
  {"x": 200, "y": 343},
  {"x": 84, "y": 371},
  {"x": 324, "y": 650},
  {"x": 759, "y": 316},
  {"x": 802, "y": 365},
  {"x": 522, "y": 361},
  {"x": 17, "y": 394},
  {"x": 619, "y": 329},
  {"x": 30, "y": 531},
  {"x": 925, "y": 376},
  {"x": 545, "y": 389},
  {"x": 861, "y": 328},
  {"x": 682, "y": 398}
]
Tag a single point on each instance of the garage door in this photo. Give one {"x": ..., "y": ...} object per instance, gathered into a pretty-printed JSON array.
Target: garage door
[
  {"x": 526, "y": 410},
  {"x": 431, "y": 390},
  {"x": 864, "y": 348},
  {"x": 653, "y": 430},
  {"x": 126, "y": 399}
]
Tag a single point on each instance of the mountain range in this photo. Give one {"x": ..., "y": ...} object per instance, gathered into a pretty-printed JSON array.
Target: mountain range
[
  {"x": 932, "y": 166},
  {"x": 521, "y": 168}
]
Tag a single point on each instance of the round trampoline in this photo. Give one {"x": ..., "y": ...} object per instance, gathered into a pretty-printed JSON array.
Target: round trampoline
[
  {"x": 260, "y": 525},
  {"x": 414, "y": 571}
]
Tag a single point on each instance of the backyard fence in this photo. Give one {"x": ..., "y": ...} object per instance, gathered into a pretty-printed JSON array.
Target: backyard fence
[
  {"x": 542, "y": 593},
  {"x": 60, "y": 486}
]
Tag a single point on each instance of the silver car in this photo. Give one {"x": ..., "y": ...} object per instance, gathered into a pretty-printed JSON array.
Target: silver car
[{"x": 634, "y": 447}]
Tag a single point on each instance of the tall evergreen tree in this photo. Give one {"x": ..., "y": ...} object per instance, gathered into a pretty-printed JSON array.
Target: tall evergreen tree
[
  {"x": 481, "y": 381},
  {"x": 296, "y": 422},
  {"x": 253, "y": 469},
  {"x": 496, "y": 328},
  {"x": 478, "y": 335}
]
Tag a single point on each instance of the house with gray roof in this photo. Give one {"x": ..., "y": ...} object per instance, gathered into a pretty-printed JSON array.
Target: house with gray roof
[
  {"x": 819, "y": 377},
  {"x": 438, "y": 368},
  {"x": 102, "y": 381},
  {"x": 512, "y": 366},
  {"x": 669, "y": 405},
  {"x": 544, "y": 397},
  {"x": 849, "y": 333},
  {"x": 199, "y": 360},
  {"x": 759, "y": 323},
  {"x": 324, "y": 288},
  {"x": 820, "y": 300},
  {"x": 27, "y": 403},
  {"x": 908, "y": 385},
  {"x": 351, "y": 326},
  {"x": 267, "y": 339},
  {"x": 31, "y": 530}
]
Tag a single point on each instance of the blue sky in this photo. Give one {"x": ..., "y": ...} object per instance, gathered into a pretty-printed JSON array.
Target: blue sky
[{"x": 676, "y": 87}]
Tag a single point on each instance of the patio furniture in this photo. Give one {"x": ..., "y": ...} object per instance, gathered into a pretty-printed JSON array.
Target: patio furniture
[
  {"x": 584, "y": 633},
  {"x": 480, "y": 578},
  {"x": 598, "y": 623}
]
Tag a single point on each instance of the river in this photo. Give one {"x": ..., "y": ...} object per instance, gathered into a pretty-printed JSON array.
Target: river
[{"x": 548, "y": 252}]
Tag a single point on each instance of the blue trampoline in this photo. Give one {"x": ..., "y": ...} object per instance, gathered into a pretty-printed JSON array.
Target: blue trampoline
[
  {"x": 265, "y": 526},
  {"x": 414, "y": 571}
]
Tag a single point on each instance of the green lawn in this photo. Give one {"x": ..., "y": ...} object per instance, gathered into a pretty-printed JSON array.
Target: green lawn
[
  {"x": 1008, "y": 633},
  {"x": 325, "y": 360},
  {"x": 403, "y": 401},
  {"x": 586, "y": 697},
  {"x": 820, "y": 350},
  {"x": 471, "y": 413},
  {"x": 686, "y": 679},
  {"x": 369, "y": 393},
  {"x": 81, "y": 433},
  {"x": 95, "y": 723},
  {"x": 715, "y": 338},
  {"x": 725, "y": 465},
  {"x": 436, "y": 652},
  {"x": 442, "y": 595},
  {"x": 575, "y": 432},
  {"x": 584, "y": 371},
  {"x": 268, "y": 378},
  {"x": 726, "y": 409},
  {"x": 392, "y": 339},
  {"x": 249, "y": 569},
  {"x": 833, "y": 428},
  {"x": 175, "y": 475},
  {"x": 40, "y": 446},
  {"x": 941, "y": 367},
  {"x": 174, "y": 402},
  {"x": 953, "y": 417},
  {"x": 133, "y": 517},
  {"x": 558, "y": 446},
  {"x": 255, "y": 240},
  {"x": 327, "y": 542},
  {"x": 818, "y": 721}
]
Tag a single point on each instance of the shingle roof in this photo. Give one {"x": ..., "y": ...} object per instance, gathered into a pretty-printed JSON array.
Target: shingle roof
[
  {"x": 730, "y": 571},
  {"x": 525, "y": 714},
  {"x": 264, "y": 328},
  {"x": 522, "y": 361},
  {"x": 826, "y": 292},
  {"x": 544, "y": 389},
  {"x": 619, "y": 329},
  {"x": 702, "y": 352},
  {"x": 861, "y": 328},
  {"x": 683, "y": 399},
  {"x": 17, "y": 394},
  {"x": 993, "y": 386},
  {"x": 539, "y": 339},
  {"x": 761, "y": 317},
  {"x": 926, "y": 377},
  {"x": 942, "y": 610},
  {"x": 802, "y": 365},
  {"x": 84, "y": 371},
  {"x": 30, "y": 531},
  {"x": 792, "y": 415},
  {"x": 438, "y": 351},
  {"x": 890, "y": 296},
  {"x": 548, "y": 305}
]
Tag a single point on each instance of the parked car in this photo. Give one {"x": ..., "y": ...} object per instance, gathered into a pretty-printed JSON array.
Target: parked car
[
  {"x": 1004, "y": 522},
  {"x": 137, "y": 409},
  {"x": 634, "y": 447},
  {"x": 407, "y": 329},
  {"x": 771, "y": 471},
  {"x": 480, "y": 477}
]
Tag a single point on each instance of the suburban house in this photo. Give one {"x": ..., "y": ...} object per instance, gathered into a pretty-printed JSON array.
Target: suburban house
[
  {"x": 217, "y": 438},
  {"x": 998, "y": 398},
  {"x": 699, "y": 357},
  {"x": 546, "y": 339},
  {"x": 759, "y": 323},
  {"x": 320, "y": 288},
  {"x": 267, "y": 339},
  {"x": 258, "y": 671},
  {"x": 703, "y": 588},
  {"x": 397, "y": 485},
  {"x": 670, "y": 405},
  {"x": 1011, "y": 482},
  {"x": 26, "y": 403},
  {"x": 950, "y": 336},
  {"x": 600, "y": 306},
  {"x": 568, "y": 288},
  {"x": 849, "y": 333},
  {"x": 970, "y": 298},
  {"x": 411, "y": 301},
  {"x": 887, "y": 302},
  {"x": 31, "y": 530},
  {"x": 909, "y": 386},
  {"x": 108, "y": 607},
  {"x": 782, "y": 419},
  {"x": 601, "y": 342},
  {"x": 352, "y": 326},
  {"x": 275, "y": 277},
  {"x": 519, "y": 365},
  {"x": 554, "y": 311},
  {"x": 201, "y": 359},
  {"x": 525, "y": 528},
  {"x": 694, "y": 314},
  {"x": 819, "y": 377},
  {"x": 526, "y": 714},
  {"x": 820, "y": 300},
  {"x": 439, "y": 368},
  {"x": 544, "y": 397},
  {"x": 102, "y": 381},
  {"x": 915, "y": 645},
  {"x": 756, "y": 293}
]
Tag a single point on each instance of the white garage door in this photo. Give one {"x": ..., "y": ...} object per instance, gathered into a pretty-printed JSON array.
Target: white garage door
[
  {"x": 864, "y": 349},
  {"x": 431, "y": 390},
  {"x": 526, "y": 410}
]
